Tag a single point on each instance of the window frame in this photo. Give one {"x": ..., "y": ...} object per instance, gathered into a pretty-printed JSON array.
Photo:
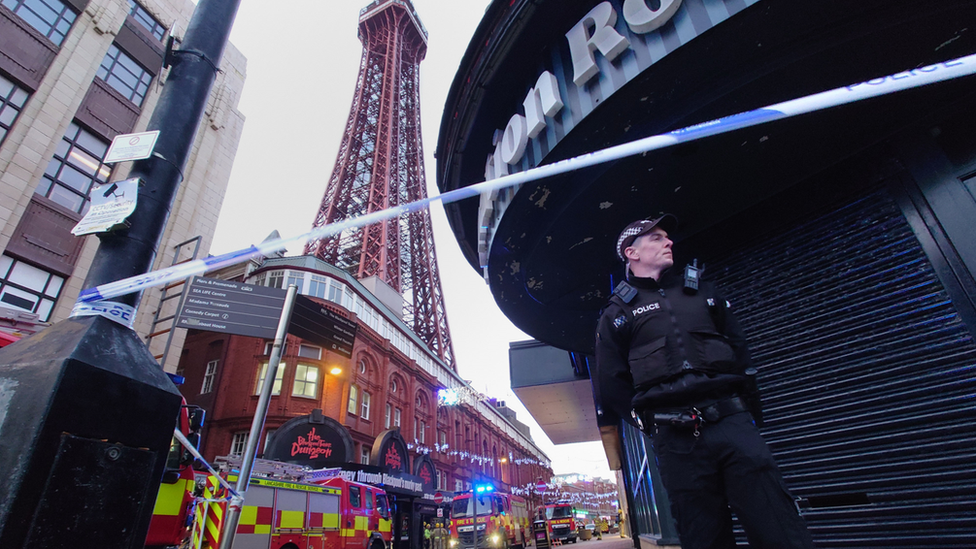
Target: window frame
[
  {"x": 115, "y": 69},
  {"x": 364, "y": 402},
  {"x": 63, "y": 12},
  {"x": 13, "y": 100},
  {"x": 313, "y": 352},
  {"x": 279, "y": 378},
  {"x": 305, "y": 381},
  {"x": 140, "y": 14},
  {"x": 352, "y": 406},
  {"x": 53, "y": 183},
  {"x": 209, "y": 375},
  {"x": 238, "y": 439},
  {"x": 46, "y": 297}
]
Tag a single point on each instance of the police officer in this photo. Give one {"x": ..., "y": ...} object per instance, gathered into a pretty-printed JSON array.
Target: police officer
[{"x": 672, "y": 358}]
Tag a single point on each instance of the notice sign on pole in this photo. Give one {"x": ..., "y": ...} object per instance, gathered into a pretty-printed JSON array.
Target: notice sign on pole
[
  {"x": 131, "y": 146},
  {"x": 232, "y": 308},
  {"x": 111, "y": 204}
]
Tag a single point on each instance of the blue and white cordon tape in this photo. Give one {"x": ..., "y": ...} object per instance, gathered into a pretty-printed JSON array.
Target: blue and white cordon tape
[{"x": 912, "y": 78}]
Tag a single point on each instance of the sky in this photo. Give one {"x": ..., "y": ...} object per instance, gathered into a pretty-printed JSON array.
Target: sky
[{"x": 302, "y": 64}]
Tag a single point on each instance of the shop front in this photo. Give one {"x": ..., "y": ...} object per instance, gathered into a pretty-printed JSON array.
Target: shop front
[
  {"x": 844, "y": 238},
  {"x": 324, "y": 446}
]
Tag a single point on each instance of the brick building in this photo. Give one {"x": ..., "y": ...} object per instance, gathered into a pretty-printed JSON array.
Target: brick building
[
  {"x": 73, "y": 75},
  {"x": 391, "y": 381}
]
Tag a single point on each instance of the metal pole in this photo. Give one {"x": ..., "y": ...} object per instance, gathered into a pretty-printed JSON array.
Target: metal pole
[
  {"x": 474, "y": 500},
  {"x": 233, "y": 516}
]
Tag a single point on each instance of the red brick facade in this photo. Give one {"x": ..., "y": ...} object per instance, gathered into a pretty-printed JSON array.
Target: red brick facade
[{"x": 475, "y": 445}]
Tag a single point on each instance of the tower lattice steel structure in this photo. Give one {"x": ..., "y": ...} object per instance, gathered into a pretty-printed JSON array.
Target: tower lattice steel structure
[{"x": 380, "y": 165}]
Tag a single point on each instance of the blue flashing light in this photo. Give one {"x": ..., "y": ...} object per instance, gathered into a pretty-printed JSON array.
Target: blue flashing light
[
  {"x": 177, "y": 380},
  {"x": 448, "y": 397},
  {"x": 482, "y": 488}
]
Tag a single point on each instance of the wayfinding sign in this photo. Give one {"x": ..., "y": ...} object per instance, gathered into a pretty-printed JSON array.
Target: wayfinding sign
[
  {"x": 232, "y": 308},
  {"x": 317, "y": 324}
]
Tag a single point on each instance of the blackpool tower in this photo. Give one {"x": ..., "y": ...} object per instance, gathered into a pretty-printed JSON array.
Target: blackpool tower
[{"x": 380, "y": 165}]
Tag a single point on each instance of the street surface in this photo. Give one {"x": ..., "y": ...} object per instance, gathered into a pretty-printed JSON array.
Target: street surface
[{"x": 612, "y": 541}]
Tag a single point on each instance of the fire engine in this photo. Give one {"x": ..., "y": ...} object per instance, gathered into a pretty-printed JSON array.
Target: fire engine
[
  {"x": 173, "y": 511},
  {"x": 280, "y": 511},
  {"x": 502, "y": 520},
  {"x": 561, "y": 521}
]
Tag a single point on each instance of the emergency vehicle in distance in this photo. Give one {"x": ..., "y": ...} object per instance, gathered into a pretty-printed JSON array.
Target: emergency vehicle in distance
[
  {"x": 561, "y": 521},
  {"x": 502, "y": 520}
]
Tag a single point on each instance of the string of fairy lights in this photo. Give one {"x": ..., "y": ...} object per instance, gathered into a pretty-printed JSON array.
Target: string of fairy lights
[
  {"x": 445, "y": 450},
  {"x": 555, "y": 492}
]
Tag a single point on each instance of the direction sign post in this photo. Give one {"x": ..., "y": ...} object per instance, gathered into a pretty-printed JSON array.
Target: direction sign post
[
  {"x": 233, "y": 515},
  {"x": 231, "y": 307}
]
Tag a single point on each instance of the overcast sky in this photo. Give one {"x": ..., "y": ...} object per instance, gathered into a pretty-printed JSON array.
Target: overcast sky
[{"x": 302, "y": 61}]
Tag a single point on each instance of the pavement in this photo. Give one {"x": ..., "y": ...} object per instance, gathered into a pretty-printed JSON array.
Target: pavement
[{"x": 614, "y": 541}]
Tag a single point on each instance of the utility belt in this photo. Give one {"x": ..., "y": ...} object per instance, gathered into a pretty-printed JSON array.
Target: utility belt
[{"x": 691, "y": 418}]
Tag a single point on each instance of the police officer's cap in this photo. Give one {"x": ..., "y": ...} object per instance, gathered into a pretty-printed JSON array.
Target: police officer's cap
[{"x": 641, "y": 227}]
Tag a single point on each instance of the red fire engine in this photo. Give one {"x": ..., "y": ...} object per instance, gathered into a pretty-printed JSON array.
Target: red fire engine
[
  {"x": 336, "y": 513},
  {"x": 502, "y": 520},
  {"x": 173, "y": 512},
  {"x": 561, "y": 520}
]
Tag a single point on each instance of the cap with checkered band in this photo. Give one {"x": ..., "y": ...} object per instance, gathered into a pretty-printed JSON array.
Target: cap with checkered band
[{"x": 641, "y": 227}]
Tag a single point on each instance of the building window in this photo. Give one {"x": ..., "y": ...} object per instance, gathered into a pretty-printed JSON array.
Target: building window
[
  {"x": 353, "y": 398},
  {"x": 125, "y": 75},
  {"x": 394, "y": 385},
  {"x": 267, "y": 438},
  {"x": 458, "y": 485},
  {"x": 364, "y": 455},
  {"x": 317, "y": 286},
  {"x": 279, "y": 376},
  {"x": 76, "y": 165},
  {"x": 440, "y": 477},
  {"x": 442, "y": 438},
  {"x": 276, "y": 278},
  {"x": 389, "y": 411},
  {"x": 298, "y": 279},
  {"x": 365, "y": 405},
  {"x": 419, "y": 428},
  {"x": 26, "y": 287},
  {"x": 335, "y": 292},
  {"x": 149, "y": 22},
  {"x": 12, "y": 100},
  {"x": 306, "y": 381},
  {"x": 268, "y": 346},
  {"x": 396, "y": 417},
  {"x": 310, "y": 351},
  {"x": 208, "y": 377},
  {"x": 362, "y": 367},
  {"x": 238, "y": 444},
  {"x": 52, "y": 18}
]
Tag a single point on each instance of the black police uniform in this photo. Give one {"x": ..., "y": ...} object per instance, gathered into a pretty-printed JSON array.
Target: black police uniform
[{"x": 680, "y": 362}]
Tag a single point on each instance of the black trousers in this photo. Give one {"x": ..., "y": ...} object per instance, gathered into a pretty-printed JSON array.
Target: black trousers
[{"x": 727, "y": 468}]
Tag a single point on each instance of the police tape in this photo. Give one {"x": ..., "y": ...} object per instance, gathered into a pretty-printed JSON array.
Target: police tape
[
  {"x": 231, "y": 493},
  {"x": 884, "y": 85}
]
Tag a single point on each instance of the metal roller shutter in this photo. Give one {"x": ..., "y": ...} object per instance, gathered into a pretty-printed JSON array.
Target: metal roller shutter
[{"x": 868, "y": 376}]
